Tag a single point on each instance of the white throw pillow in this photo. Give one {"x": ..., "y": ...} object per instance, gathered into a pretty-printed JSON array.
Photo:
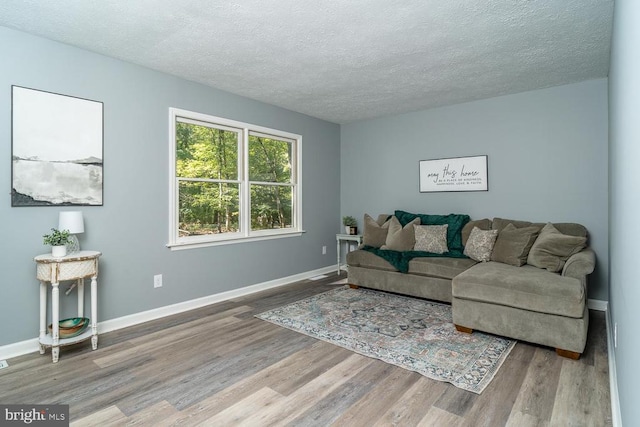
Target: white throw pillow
[
  {"x": 431, "y": 238},
  {"x": 480, "y": 244}
]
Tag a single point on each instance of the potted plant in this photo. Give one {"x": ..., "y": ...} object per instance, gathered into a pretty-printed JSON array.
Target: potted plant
[
  {"x": 58, "y": 241},
  {"x": 350, "y": 224}
]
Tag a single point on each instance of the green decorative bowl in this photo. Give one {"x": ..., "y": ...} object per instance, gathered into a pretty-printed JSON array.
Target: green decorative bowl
[{"x": 74, "y": 326}]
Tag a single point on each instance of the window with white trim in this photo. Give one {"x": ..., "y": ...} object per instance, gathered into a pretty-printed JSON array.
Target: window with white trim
[{"x": 231, "y": 181}]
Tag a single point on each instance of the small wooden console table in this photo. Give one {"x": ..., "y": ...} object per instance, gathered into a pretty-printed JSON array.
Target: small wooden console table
[{"x": 76, "y": 266}]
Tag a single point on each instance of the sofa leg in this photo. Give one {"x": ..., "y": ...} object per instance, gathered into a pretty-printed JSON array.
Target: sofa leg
[
  {"x": 353, "y": 286},
  {"x": 463, "y": 329},
  {"x": 568, "y": 354}
]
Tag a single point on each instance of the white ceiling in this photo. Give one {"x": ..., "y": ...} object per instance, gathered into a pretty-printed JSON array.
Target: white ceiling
[{"x": 340, "y": 60}]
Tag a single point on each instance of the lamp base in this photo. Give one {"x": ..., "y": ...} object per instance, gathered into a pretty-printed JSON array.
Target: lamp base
[{"x": 74, "y": 245}]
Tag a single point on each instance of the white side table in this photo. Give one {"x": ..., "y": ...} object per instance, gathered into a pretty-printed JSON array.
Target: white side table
[
  {"x": 75, "y": 266},
  {"x": 346, "y": 238}
]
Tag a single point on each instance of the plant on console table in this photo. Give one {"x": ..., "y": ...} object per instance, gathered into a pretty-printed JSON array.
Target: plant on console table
[
  {"x": 58, "y": 241},
  {"x": 350, "y": 225}
]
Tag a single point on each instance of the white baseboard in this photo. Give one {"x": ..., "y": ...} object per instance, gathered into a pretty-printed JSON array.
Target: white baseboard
[
  {"x": 598, "y": 305},
  {"x": 19, "y": 348},
  {"x": 616, "y": 416},
  {"x": 29, "y": 346}
]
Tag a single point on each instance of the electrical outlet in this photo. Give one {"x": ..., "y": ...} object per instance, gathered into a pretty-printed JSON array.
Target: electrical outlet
[
  {"x": 324, "y": 250},
  {"x": 157, "y": 281},
  {"x": 615, "y": 335},
  {"x": 3, "y": 364}
]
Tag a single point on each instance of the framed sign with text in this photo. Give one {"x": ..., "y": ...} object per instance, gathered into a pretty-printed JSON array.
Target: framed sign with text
[{"x": 454, "y": 174}]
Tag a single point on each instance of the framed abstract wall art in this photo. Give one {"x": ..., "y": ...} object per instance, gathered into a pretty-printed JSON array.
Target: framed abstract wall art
[
  {"x": 57, "y": 149},
  {"x": 454, "y": 174}
]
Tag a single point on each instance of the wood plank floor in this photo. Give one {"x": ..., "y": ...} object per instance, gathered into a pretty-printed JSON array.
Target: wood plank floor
[{"x": 220, "y": 366}]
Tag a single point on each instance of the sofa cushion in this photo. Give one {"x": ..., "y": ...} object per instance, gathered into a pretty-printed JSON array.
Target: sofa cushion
[
  {"x": 482, "y": 224},
  {"x": 500, "y": 223},
  {"x": 442, "y": 267},
  {"x": 431, "y": 238},
  {"x": 366, "y": 259},
  {"x": 572, "y": 229},
  {"x": 446, "y": 268},
  {"x": 454, "y": 232},
  {"x": 375, "y": 232},
  {"x": 525, "y": 287},
  {"x": 569, "y": 228},
  {"x": 552, "y": 248},
  {"x": 399, "y": 237},
  {"x": 480, "y": 244},
  {"x": 513, "y": 244},
  {"x": 580, "y": 265}
]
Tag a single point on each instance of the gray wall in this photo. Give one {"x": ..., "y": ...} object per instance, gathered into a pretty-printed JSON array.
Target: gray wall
[
  {"x": 624, "y": 136},
  {"x": 131, "y": 228},
  {"x": 547, "y": 161}
]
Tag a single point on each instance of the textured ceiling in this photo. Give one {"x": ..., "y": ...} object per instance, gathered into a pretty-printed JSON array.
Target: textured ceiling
[{"x": 341, "y": 60}]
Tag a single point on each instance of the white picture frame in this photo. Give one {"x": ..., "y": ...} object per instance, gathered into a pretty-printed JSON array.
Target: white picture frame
[
  {"x": 454, "y": 174},
  {"x": 56, "y": 149}
]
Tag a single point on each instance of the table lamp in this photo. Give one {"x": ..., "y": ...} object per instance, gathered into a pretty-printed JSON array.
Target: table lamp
[{"x": 74, "y": 223}]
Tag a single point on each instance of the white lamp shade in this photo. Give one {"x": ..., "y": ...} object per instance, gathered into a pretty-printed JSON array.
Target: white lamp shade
[{"x": 72, "y": 221}]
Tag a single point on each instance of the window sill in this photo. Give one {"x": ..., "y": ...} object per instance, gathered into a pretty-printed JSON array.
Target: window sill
[{"x": 179, "y": 246}]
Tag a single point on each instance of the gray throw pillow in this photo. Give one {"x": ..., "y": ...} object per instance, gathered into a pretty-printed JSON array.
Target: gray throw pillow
[
  {"x": 399, "y": 238},
  {"x": 552, "y": 248},
  {"x": 431, "y": 238},
  {"x": 480, "y": 244},
  {"x": 513, "y": 244},
  {"x": 375, "y": 234}
]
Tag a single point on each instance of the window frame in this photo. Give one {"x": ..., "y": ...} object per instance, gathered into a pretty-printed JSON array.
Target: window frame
[{"x": 245, "y": 234}]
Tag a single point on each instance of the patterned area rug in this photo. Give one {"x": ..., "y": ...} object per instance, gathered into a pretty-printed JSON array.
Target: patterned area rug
[{"x": 412, "y": 333}]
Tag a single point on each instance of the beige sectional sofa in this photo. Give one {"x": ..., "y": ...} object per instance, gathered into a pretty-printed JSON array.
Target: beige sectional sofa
[{"x": 547, "y": 306}]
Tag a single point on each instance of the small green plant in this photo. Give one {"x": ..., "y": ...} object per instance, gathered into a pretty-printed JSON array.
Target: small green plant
[
  {"x": 56, "y": 238},
  {"x": 349, "y": 221}
]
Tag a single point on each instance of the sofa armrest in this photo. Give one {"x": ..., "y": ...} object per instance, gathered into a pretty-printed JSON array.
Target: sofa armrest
[{"x": 580, "y": 265}]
